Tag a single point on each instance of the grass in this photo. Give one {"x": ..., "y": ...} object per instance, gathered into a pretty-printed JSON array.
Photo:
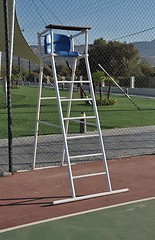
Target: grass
[{"x": 24, "y": 101}]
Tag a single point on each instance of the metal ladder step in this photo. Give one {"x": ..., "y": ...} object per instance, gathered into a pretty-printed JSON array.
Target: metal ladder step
[
  {"x": 65, "y": 81},
  {"x": 82, "y": 136},
  {"x": 89, "y": 175},
  {"x": 86, "y": 155},
  {"x": 47, "y": 98},
  {"x": 75, "y": 118},
  {"x": 75, "y": 99}
]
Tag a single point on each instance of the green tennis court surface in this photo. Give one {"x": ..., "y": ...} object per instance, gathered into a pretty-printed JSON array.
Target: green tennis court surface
[{"x": 134, "y": 221}]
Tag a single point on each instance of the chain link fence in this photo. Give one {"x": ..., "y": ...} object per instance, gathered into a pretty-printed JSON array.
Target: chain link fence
[{"x": 122, "y": 40}]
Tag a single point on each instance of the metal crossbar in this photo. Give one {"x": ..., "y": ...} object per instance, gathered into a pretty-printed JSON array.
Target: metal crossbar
[
  {"x": 82, "y": 136},
  {"x": 102, "y": 194},
  {"x": 86, "y": 155},
  {"x": 76, "y": 99},
  {"x": 47, "y": 98},
  {"x": 65, "y": 81},
  {"x": 75, "y": 118},
  {"x": 89, "y": 175}
]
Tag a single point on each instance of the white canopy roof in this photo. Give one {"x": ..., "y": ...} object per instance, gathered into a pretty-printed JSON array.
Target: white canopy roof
[{"x": 24, "y": 51}]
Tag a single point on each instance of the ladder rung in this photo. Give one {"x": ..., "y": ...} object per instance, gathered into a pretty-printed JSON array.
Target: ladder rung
[
  {"x": 50, "y": 124},
  {"x": 82, "y": 136},
  {"x": 89, "y": 175},
  {"x": 46, "y": 98},
  {"x": 85, "y": 81},
  {"x": 86, "y": 155},
  {"x": 75, "y": 99},
  {"x": 74, "y": 118}
]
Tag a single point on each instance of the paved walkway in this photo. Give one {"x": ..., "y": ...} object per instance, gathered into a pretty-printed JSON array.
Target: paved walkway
[{"x": 118, "y": 143}]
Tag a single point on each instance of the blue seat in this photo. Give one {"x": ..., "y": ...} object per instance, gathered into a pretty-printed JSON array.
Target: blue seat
[{"x": 61, "y": 45}]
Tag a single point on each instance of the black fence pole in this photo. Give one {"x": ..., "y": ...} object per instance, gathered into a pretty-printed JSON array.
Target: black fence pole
[{"x": 7, "y": 50}]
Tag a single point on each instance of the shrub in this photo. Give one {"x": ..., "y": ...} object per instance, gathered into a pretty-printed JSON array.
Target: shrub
[{"x": 105, "y": 102}]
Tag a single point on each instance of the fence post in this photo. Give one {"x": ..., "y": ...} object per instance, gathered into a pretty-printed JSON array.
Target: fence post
[
  {"x": 8, "y": 76},
  {"x": 83, "y": 123}
]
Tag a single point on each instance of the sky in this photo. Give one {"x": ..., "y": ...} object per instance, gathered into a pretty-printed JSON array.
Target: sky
[{"x": 121, "y": 20}]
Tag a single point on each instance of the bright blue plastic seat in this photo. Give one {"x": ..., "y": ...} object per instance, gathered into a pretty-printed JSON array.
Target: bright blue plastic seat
[{"x": 61, "y": 45}]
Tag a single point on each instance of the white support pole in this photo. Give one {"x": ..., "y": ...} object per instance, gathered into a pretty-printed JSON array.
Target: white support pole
[
  {"x": 38, "y": 105},
  {"x": 71, "y": 92},
  {"x": 37, "y": 115},
  {"x": 72, "y": 44},
  {"x": 86, "y": 42},
  {"x": 63, "y": 127},
  {"x": 69, "y": 103},
  {"x": 132, "y": 82},
  {"x": 97, "y": 116},
  {"x": 98, "y": 125}
]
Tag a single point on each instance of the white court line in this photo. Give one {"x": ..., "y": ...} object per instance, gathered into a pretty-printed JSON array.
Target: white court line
[{"x": 74, "y": 214}]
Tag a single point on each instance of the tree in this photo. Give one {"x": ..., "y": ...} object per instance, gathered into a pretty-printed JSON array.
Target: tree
[
  {"x": 146, "y": 69},
  {"x": 62, "y": 70},
  {"x": 98, "y": 79},
  {"x": 118, "y": 59}
]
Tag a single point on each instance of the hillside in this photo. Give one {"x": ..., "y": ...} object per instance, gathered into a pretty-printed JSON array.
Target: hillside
[{"x": 146, "y": 50}]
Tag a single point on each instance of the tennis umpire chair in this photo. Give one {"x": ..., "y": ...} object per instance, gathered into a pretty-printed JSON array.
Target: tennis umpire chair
[{"x": 60, "y": 45}]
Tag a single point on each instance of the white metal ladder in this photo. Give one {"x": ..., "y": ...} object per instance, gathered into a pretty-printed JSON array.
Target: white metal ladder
[{"x": 64, "y": 120}]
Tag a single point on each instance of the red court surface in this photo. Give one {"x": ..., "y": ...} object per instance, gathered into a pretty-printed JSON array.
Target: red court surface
[{"x": 27, "y": 197}]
